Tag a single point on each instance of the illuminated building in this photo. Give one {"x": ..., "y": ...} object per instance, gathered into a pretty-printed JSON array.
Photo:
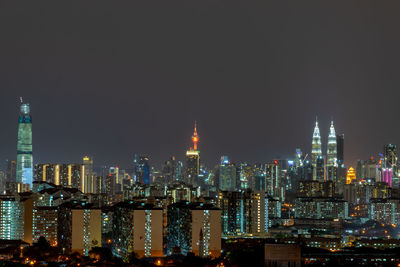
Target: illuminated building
[
  {"x": 24, "y": 173},
  {"x": 310, "y": 188},
  {"x": 246, "y": 213},
  {"x": 273, "y": 179},
  {"x": 332, "y": 164},
  {"x": 66, "y": 175},
  {"x": 316, "y": 149},
  {"x": 389, "y": 165},
  {"x": 194, "y": 227},
  {"x": 45, "y": 223},
  {"x": 227, "y": 175},
  {"x": 88, "y": 177},
  {"x": 193, "y": 160},
  {"x": 387, "y": 175},
  {"x": 246, "y": 176},
  {"x": 11, "y": 170},
  {"x": 385, "y": 211},
  {"x": 16, "y": 213},
  {"x": 305, "y": 172},
  {"x": 142, "y": 169},
  {"x": 259, "y": 178},
  {"x": 55, "y": 196},
  {"x": 11, "y": 218},
  {"x": 390, "y": 156},
  {"x": 351, "y": 175},
  {"x": 332, "y": 147},
  {"x": 181, "y": 192},
  {"x": 298, "y": 158},
  {"x": 320, "y": 169},
  {"x": 137, "y": 227},
  {"x": 79, "y": 227},
  {"x": 169, "y": 170},
  {"x": 360, "y": 170},
  {"x": 321, "y": 208}
]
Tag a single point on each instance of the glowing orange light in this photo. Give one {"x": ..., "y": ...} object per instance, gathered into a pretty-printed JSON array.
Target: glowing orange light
[{"x": 351, "y": 175}]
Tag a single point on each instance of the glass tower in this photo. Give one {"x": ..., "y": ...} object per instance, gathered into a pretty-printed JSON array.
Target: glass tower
[
  {"x": 24, "y": 146},
  {"x": 316, "y": 149},
  {"x": 332, "y": 147}
]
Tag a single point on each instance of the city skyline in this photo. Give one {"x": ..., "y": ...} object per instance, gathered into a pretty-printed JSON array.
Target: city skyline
[
  {"x": 199, "y": 133},
  {"x": 157, "y": 161},
  {"x": 134, "y": 80}
]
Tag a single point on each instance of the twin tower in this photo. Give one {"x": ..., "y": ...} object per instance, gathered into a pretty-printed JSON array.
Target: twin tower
[{"x": 317, "y": 159}]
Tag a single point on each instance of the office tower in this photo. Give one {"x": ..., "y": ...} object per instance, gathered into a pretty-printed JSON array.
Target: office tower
[
  {"x": 194, "y": 227},
  {"x": 227, "y": 175},
  {"x": 179, "y": 171},
  {"x": 390, "y": 156},
  {"x": 340, "y": 150},
  {"x": 298, "y": 158},
  {"x": 88, "y": 177},
  {"x": 79, "y": 227},
  {"x": 332, "y": 164},
  {"x": 24, "y": 172},
  {"x": 193, "y": 160},
  {"x": 246, "y": 176},
  {"x": 11, "y": 170},
  {"x": 142, "y": 169},
  {"x": 320, "y": 169},
  {"x": 169, "y": 170},
  {"x": 305, "y": 172},
  {"x": 259, "y": 178},
  {"x": 332, "y": 147},
  {"x": 273, "y": 179},
  {"x": 316, "y": 149},
  {"x": 389, "y": 166},
  {"x": 137, "y": 227},
  {"x": 341, "y": 170}
]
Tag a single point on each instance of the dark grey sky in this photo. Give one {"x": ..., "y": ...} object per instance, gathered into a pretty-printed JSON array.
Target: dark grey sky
[{"x": 110, "y": 78}]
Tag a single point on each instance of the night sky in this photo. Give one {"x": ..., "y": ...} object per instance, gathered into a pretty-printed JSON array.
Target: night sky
[{"x": 113, "y": 78}]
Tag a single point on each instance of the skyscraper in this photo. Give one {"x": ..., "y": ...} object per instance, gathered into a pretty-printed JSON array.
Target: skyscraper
[
  {"x": 193, "y": 159},
  {"x": 227, "y": 175},
  {"x": 316, "y": 148},
  {"x": 24, "y": 147},
  {"x": 142, "y": 169},
  {"x": 331, "y": 163},
  {"x": 390, "y": 155},
  {"x": 88, "y": 178},
  {"x": 332, "y": 147},
  {"x": 11, "y": 170}
]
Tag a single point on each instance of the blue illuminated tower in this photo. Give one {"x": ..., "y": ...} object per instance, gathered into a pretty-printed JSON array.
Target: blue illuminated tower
[{"x": 24, "y": 146}]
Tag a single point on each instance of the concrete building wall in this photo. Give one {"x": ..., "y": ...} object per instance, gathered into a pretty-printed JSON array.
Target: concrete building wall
[
  {"x": 148, "y": 233},
  {"x": 86, "y": 230},
  {"x": 208, "y": 222}
]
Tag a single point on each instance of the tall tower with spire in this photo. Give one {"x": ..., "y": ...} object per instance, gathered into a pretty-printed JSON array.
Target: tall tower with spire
[
  {"x": 316, "y": 152},
  {"x": 195, "y": 136},
  {"x": 193, "y": 160},
  {"x": 24, "y": 148},
  {"x": 332, "y": 148}
]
